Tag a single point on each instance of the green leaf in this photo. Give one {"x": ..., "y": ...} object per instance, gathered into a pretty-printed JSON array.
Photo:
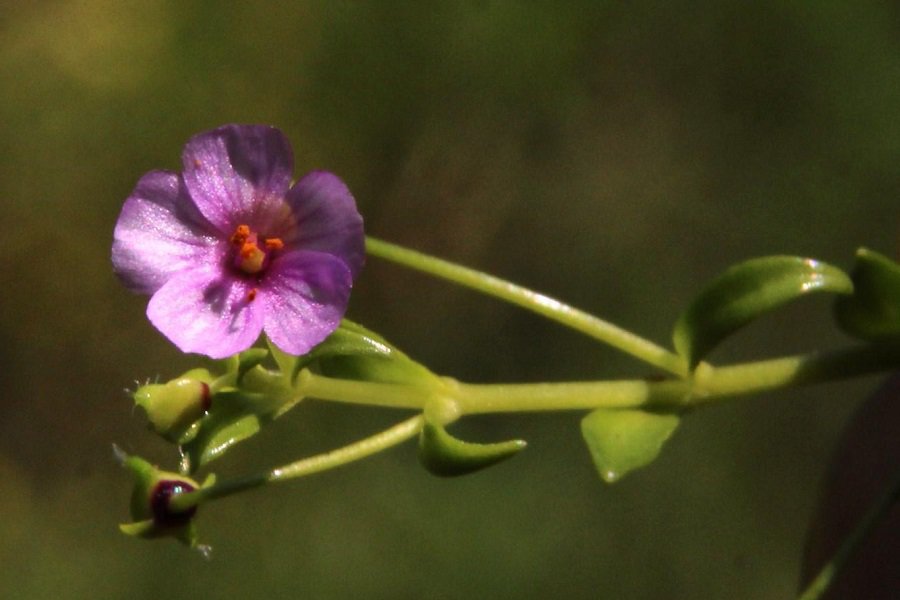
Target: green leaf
[
  {"x": 873, "y": 311},
  {"x": 621, "y": 441},
  {"x": 354, "y": 352},
  {"x": 219, "y": 430},
  {"x": 746, "y": 291},
  {"x": 444, "y": 455}
]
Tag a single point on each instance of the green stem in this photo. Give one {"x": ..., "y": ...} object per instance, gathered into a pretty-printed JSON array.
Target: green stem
[
  {"x": 545, "y": 306},
  {"x": 851, "y": 543},
  {"x": 708, "y": 384},
  {"x": 314, "y": 464},
  {"x": 366, "y": 447},
  {"x": 496, "y": 398},
  {"x": 370, "y": 393},
  {"x": 750, "y": 378}
]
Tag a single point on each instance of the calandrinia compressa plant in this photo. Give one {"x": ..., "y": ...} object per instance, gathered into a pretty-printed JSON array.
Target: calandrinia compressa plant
[{"x": 233, "y": 253}]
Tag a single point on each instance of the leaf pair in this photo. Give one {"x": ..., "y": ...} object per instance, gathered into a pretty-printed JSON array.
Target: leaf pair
[
  {"x": 868, "y": 308},
  {"x": 354, "y": 352}
]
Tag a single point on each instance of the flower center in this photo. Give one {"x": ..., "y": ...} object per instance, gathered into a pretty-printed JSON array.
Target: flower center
[{"x": 252, "y": 256}]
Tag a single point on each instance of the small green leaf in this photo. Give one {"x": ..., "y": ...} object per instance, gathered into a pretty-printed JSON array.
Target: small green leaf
[
  {"x": 354, "y": 352},
  {"x": 873, "y": 311},
  {"x": 746, "y": 291},
  {"x": 621, "y": 441},
  {"x": 219, "y": 430},
  {"x": 444, "y": 455}
]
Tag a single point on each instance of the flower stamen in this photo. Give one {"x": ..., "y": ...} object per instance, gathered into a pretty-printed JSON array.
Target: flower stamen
[
  {"x": 240, "y": 235},
  {"x": 252, "y": 256}
]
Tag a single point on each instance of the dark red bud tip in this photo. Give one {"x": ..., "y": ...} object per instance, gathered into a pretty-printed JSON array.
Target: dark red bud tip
[
  {"x": 205, "y": 398},
  {"x": 159, "y": 503}
]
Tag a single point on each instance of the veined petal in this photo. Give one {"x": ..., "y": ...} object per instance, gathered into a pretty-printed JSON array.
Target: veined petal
[
  {"x": 327, "y": 218},
  {"x": 239, "y": 174},
  {"x": 305, "y": 297},
  {"x": 160, "y": 232},
  {"x": 207, "y": 311}
]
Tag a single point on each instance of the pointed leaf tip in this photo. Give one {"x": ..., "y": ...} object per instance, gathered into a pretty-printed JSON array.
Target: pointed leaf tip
[
  {"x": 621, "y": 441},
  {"x": 444, "y": 455}
]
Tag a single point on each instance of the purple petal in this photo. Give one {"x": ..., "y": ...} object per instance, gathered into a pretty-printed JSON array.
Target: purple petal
[
  {"x": 159, "y": 232},
  {"x": 204, "y": 310},
  {"x": 327, "y": 219},
  {"x": 306, "y": 295},
  {"x": 239, "y": 174}
]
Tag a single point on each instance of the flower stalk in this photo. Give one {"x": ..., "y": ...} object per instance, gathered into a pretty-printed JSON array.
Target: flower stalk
[
  {"x": 308, "y": 466},
  {"x": 536, "y": 302}
]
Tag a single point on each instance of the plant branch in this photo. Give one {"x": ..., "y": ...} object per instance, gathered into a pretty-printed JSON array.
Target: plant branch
[{"x": 545, "y": 306}]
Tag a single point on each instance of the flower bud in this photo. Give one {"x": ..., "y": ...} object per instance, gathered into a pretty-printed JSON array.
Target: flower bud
[
  {"x": 173, "y": 408},
  {"x": 151, "y": 503}
]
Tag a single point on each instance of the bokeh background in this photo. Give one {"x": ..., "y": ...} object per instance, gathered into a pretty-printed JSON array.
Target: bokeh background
[{"x": 615, "y": 155}]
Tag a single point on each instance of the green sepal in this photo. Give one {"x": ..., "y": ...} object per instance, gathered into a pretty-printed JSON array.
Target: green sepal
[
  {"x": 446, "y": 456},
  {"x": 249, "y": 359},
  {"x": 873, "y": 311},
  {"x": 145, "y": 529},
  {"x": 286, "y": 362},
  {"x": 622, "y": 440},
  {"x": 746, "y": 291},
  {"x": 149, "y": 530},
  {"x": 354, "y": 352}
]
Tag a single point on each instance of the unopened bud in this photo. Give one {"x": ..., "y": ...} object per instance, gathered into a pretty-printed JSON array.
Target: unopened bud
[
  {"x": 173, "y": 408},
  {"x": 151, "y": 503}
]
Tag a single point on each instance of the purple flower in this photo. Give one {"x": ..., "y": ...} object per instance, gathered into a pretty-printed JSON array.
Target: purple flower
[{"x": 229, "y": 248}]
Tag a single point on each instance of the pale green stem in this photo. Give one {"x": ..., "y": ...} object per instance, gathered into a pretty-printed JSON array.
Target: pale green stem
[
  {"x": 314, "y": 464},
  {"x": 750, "y": 378},
  {"x": 370, "y": 393},
  {"x": 849, "y": 545},
  {"x": 371, "y": 445},
  {"x": 709, "y": 384},
  {"x": 522, "y": 397},
  {"x": 545, "y": 306}
]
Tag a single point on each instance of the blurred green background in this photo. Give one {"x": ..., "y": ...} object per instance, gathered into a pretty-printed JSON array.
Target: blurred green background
[{"x": 614, "y": 155}]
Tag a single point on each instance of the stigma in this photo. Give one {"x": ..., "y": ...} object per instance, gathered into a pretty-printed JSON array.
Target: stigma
[{"x": 252, "y": 254}]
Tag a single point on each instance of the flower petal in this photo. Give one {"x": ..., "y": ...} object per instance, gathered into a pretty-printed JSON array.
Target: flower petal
[
  {"x": 327, "y": 218},
  {"x": 159, "y": 232},
  {"x": 204, "y": 310},
  {"x": 305, "y": 297},
  {"x": 238, "y": 174}
]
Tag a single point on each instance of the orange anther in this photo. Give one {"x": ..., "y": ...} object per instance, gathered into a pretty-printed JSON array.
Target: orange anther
[
  {"x": 274, "y": 244},
  {"x": 240, "y": 234}
]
